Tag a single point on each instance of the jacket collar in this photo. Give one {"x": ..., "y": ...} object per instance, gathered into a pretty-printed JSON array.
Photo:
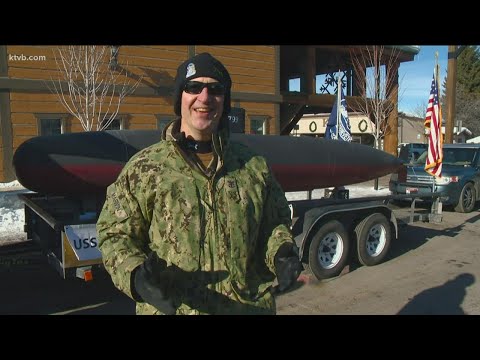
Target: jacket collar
[{"x": 220, "y": 138}]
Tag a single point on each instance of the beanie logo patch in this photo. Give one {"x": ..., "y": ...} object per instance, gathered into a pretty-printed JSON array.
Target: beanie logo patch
[{"x": 190, "y": 70}]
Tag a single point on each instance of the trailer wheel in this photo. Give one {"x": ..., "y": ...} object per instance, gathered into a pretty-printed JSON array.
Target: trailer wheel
[
  {"x": 328, "y": 251},
  {"x": 466, "y": 200},
  {"x": 373, "y": 239}
]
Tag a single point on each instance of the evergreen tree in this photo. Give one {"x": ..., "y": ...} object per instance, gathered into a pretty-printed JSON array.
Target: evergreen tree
[
  {"x": 467, "y": 100},
  {"x": 468, "y": 70},
  {"x": 467, "y": 110}
]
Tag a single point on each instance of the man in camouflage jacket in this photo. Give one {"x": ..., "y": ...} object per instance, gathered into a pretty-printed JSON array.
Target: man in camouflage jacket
[{"x": 197, "y": 224}]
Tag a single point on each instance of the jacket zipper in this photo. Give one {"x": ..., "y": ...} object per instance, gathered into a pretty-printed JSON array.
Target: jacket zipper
[{"x": 210, "y": 182}]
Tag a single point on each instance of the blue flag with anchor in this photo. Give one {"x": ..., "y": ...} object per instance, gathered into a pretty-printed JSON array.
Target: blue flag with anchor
[{"x": 338, "y": 125}]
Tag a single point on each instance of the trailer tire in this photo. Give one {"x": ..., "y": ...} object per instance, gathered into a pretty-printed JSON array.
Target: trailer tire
[
  {"x": 466, "y": 200},
  {"x": 374, "y": 236},
  {"x": 328, "y": 251}
]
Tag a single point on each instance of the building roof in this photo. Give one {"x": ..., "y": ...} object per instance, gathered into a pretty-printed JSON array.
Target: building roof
[
  {"x": 474, "y": 140},
  {"x": 456, "y": 132},
  {"x": 414, "y": 49}
]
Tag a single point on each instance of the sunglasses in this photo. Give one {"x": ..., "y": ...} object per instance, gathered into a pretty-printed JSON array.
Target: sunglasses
[{"x": 196, "y": 87}]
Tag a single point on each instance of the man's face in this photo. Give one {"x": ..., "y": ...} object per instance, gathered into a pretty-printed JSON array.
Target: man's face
[{"x": 201, "y": 107}]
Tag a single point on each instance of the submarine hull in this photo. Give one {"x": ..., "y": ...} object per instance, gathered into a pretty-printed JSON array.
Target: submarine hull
[{"x": 87, "y": 162}]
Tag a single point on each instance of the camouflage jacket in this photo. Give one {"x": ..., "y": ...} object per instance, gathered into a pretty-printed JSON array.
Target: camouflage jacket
[{"x": 220, "y": 232}]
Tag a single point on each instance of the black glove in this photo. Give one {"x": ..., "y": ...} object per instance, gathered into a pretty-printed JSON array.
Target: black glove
[
  {"x": 287, "y": 266},
  {"x": 146, "y": 286}
]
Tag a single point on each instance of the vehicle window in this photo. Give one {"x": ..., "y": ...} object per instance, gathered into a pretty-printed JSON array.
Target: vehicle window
[
  {"x": 411, "y": 152},
  {"x": 421, "y": 159},
  {"x": 403, "y": 153},
  {"x": 448, "y": 157},
  {"x": 461, "y": 157}
]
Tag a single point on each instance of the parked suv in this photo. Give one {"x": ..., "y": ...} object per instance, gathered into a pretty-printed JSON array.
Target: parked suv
[{"x": 460, "y": 180}]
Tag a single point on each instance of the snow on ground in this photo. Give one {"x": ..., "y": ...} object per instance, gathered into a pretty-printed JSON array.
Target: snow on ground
[
  {"x": 9, "y": 186},
  {"x": 12, "y": 209},
  {"x": 355, "y": 191},
  {"x": 11, "y": 213}
]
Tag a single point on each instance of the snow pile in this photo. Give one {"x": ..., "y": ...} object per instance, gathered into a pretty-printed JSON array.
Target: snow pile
[
  {"x": 10, "y": 186},
  {"x": 355, "y": 191},
  {"x": 12, "y": 216}
]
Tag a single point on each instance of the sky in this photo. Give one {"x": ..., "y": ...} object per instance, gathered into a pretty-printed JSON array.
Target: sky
[{"x": 415, "y": 77}]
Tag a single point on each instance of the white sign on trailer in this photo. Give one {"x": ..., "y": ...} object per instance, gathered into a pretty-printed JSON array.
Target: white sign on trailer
[{"x": 84, "y": 242}]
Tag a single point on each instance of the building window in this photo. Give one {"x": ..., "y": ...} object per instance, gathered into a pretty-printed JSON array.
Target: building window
[
  {"x": 119, "y": 123},
  {"x": 163, "y": 120},
  {"x": 51, "y": 124},
  {"x": 114, "y": 125},
  {"x": 294, "y": 84},
  {"x": 258, "y": 125},
  {"x": 50, "y": 127}
]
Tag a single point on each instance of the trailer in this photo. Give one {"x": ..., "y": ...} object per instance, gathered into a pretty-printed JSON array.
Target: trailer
[
  {"x": 330, "y": 232},
  {"x": 76, "y": 177},
  {"x": 64, "y": 229}
]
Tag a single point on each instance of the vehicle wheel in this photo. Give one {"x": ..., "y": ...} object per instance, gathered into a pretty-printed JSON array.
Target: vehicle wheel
[
  {"x": 374, "y": 236},
  {"x": 466, "y": 201},
  {"x": 328, "y": 252}
]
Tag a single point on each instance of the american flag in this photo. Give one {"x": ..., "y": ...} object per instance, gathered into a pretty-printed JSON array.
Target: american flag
[{"x": 433, "y": 122}]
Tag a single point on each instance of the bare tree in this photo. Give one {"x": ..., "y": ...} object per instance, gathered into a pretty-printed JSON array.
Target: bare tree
[
  {"x": 375, "y": 71},
  {"x": 92, "y": 85},
  {"x": 420, "y": 110}
]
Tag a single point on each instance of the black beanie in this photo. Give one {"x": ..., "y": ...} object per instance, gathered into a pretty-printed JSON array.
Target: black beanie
[{"x": 201, "y": 65}]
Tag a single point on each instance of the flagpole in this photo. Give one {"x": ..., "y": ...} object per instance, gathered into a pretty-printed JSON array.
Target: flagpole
[
  {"x": 439, "y": 120},
  {"x": 339, "y": 88}
]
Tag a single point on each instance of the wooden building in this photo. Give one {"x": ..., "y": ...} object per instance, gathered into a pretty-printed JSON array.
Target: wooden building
[
  {"x": 315, "y": 125},
  {"x": 261, "y": 78},
  {"x": 411, "y": 129}
]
